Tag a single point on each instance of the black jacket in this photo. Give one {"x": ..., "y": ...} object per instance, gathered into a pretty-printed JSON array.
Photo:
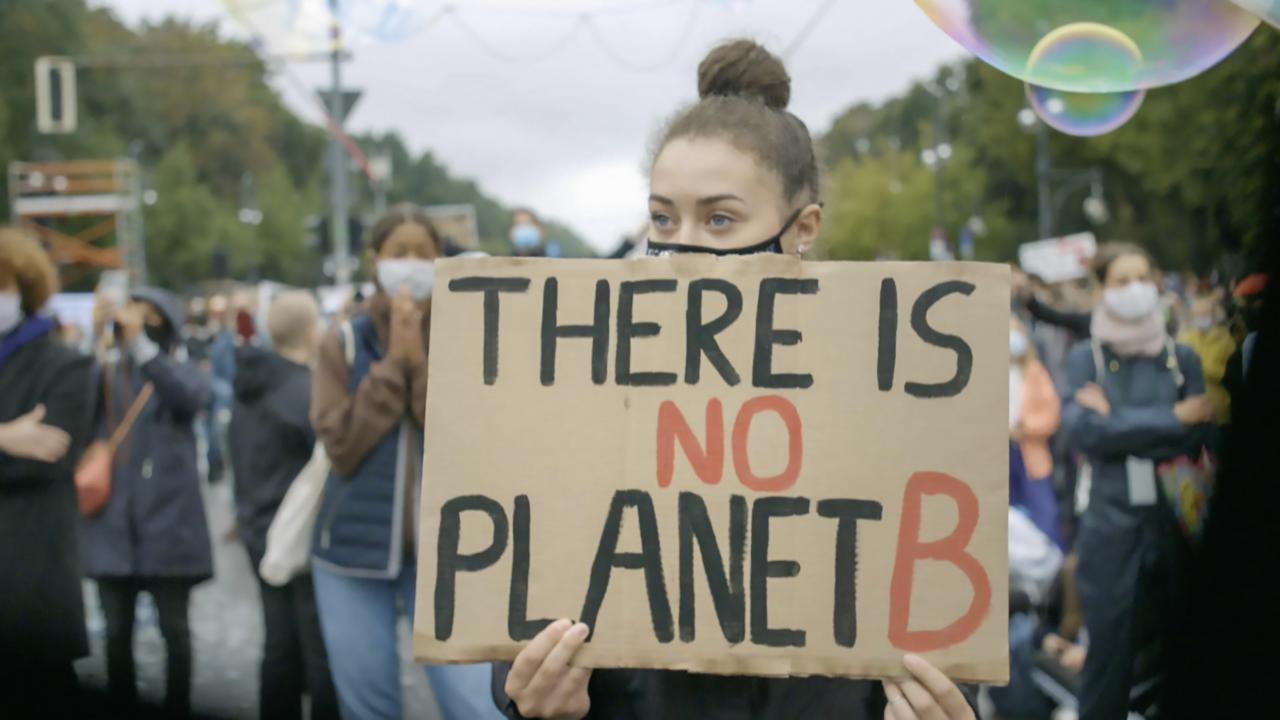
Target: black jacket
[
  {"x": 677, "y": 695},
  {"x": 270, "y": 438},
  {"x": 154, "y": 523},
  {"x": 1076, "y": 322},
  {"x": 41, "y": 611}
]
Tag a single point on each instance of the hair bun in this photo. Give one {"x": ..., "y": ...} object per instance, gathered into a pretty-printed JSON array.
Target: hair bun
[{"x": 744, "y": 68}]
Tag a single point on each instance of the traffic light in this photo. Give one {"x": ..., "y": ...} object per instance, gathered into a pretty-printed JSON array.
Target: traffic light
[{"x": 355, "y": 235}]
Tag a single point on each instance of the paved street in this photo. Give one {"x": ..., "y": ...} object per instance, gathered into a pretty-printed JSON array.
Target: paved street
[{"x": 226, "y": 622}]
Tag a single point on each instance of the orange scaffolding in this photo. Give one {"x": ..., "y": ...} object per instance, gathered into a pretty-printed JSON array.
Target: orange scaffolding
[{"x": 43, "y": 196}]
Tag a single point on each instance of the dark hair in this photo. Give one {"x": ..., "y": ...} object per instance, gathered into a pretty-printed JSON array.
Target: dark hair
[
  {"x": 394, "y": 217},
  {"x": 744, "y": 91},
  {"x": 1108, "y": 253},
  {"x": 532, "y": 215},
  {"x": 24, "y": 261}
]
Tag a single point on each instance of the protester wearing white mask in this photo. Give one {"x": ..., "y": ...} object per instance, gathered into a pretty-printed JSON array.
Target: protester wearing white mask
[
  {"x": 1132, "y": 400},
  {"x": 368, "y": 397},
  {"x": 45, "y": 423},
  {"x": 414, "y": 276}
]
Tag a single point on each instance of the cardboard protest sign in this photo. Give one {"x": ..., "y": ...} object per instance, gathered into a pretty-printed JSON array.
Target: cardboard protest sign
[
  {"x": 731, "y": 465},
  {"x": 1059, "y": 259}
]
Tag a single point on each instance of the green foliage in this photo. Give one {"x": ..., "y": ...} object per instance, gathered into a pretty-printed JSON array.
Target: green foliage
[
  {"x": 1194, "y": 176},
  {"x": 200, "y": 115}
]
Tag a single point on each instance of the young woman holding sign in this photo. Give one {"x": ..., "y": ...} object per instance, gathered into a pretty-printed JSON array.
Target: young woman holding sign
[{"x": 735, "y": 174}]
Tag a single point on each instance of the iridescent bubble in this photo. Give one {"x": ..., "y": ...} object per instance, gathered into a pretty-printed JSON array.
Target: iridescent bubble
[
  {"x": 1084, "y": 114},
  {"x": 1268, "y": 10},
  {"x": 1077, "y": 52},
  {"x": 1080, "y": 52},
  {"x": 302, "y": 26},
  {"x": 1175, "y": 39}
]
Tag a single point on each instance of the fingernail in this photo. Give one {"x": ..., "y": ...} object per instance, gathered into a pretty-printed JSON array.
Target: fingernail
[
  {"x": 912, "y": 662},
  {"x": 580, "y": 631},
  {"x": 563, "y": 624}
]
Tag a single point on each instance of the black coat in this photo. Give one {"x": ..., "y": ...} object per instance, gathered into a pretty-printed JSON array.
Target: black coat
[
  {"x": 677, "y": 695},
  {"x": 270, "y": 438},
  {"x": 41, "y": 611},
  {"x": 154, "y": 524}
]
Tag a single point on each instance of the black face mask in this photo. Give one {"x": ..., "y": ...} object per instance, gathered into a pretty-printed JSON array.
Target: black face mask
[{"x": 772, "y": 245}]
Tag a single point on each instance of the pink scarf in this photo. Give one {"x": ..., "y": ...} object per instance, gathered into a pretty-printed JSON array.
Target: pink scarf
[{"x": 1145, "y": 337}]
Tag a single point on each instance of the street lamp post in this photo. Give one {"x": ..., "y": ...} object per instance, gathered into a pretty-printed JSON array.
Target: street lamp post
[
  {"x": 1047, "y": 203},
  {"x": 1044, "y": 169},
  {"x": 338, "y": 196}
]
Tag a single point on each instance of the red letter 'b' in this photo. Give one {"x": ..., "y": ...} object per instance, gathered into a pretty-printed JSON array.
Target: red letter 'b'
[{"x": 952, "y": 549}]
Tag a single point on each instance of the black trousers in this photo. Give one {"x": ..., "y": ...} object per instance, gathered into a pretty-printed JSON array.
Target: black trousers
[
  {"x": 119, "y": 597},
  {"x": 294, "y": 660},
  {"x": 1132, "y": 584}
]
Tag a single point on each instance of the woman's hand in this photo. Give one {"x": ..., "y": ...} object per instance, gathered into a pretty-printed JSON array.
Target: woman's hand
[
  {"x": 28, "y": 437},
  {"x": 542, "y": 683},
  {"x": 1092, "y": 397},
  {"x": 1020, "y": 286},
  {"x": 1194, "y": 410},
  {"x": 129, "y": 320},
  {"x": 104, "y": 311},
  {"x": 406, "y": 330},
  {"x": 929, "y": 695}
]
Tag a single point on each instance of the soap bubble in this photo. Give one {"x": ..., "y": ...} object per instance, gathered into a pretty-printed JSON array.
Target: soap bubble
[
  {"x": 1080, "y": 53},
  {"x": 1075, "y": 53},
  {"x": 1268, "y": 10},
  {"x": 1174, "y": 39},
  {"x": 1084, "y": 114},
  {"x": 303, "y": 26}
]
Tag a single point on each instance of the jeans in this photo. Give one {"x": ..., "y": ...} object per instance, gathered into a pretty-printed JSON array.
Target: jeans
[
  {"x": 1021, "y": 698},
  {"x": 293, "y": 654},
  {"x": 119, "y": 598},
  {"x": 358, "y": 617}
]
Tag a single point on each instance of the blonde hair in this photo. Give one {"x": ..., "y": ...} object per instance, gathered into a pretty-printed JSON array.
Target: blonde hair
[
  {"x": 25, "y": 263},
  {"x": 290, "y": 319}
]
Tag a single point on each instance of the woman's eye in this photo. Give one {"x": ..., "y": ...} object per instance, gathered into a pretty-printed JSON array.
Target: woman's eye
[
  {"x": 661, "y": 221},
  {"x": 721, "y": 221}
]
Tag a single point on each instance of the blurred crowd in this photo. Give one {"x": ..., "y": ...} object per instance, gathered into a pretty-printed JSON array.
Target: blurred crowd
[{"x": 1121, "y": 387}]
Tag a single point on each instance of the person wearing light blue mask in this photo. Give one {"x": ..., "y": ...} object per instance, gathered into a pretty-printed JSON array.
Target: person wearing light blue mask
[
  {"x": 527, "y": 237},
  {"x": 368, "y": 398}
]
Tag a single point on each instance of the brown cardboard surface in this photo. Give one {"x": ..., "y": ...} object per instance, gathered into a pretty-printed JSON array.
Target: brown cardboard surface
[{"x": 571, "y": 447}]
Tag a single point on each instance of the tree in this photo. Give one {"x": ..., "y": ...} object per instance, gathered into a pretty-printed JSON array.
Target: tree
[
  {"x": 199, "y": 114},
  {"x": 1193, "y": 177},
  {"x": 188, "y": 224}
]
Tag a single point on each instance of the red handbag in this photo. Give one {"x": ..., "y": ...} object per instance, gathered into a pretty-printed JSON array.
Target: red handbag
[{"x": 93, "y": 474}]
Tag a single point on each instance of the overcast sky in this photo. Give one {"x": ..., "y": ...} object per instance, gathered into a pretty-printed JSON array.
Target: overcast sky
[{"x": 568, "y": 135}]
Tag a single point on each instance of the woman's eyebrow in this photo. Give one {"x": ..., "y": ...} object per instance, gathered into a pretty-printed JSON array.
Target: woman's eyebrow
[
  {"x": 713, "y": 199},
  {"x": 702, "y": 202}
]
